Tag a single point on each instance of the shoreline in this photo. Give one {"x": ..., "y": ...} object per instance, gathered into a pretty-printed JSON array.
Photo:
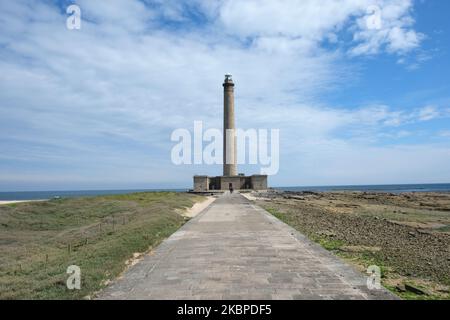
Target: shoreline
[
  {"x": 388, "y": 188},
  {"x": 4, "y": 202}
]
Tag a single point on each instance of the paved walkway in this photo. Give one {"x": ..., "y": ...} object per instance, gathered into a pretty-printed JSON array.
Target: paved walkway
[{"x": 235, "y": 250}]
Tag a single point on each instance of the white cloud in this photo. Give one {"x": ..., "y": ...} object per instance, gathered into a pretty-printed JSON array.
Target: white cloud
[
  {"x": 395, "y": 33},
  {"x": 428, "y": 113},
  {"x": 119, "y": 15},
  {"x": 306, "y": 19},
  {"x": 401, "y": 40},
  {"x": 102, "y": 101},
  {"x": 313, "y": 21},
  {"x": 325, "y": 161},
  {"x": 310, "y": 22}
]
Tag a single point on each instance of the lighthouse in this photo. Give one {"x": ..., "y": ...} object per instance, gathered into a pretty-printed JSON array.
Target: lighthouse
[
  {"x": 229, "y": 136},
  {"x": 230, "y": 180}
]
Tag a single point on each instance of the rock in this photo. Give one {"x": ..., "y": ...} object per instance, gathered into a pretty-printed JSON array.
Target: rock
[
  {"x": 400, "y": 288},
  {"x": 444, "y": 290},
  {"x": 294, "y": 198},
  {"x": 327, "y": 233},
  {"x": 415, "y": 289},
  {"x": 359, "y": 249}
]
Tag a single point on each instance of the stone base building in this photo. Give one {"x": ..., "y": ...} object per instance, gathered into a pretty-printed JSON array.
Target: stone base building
[{"x": 240, "y": 182}]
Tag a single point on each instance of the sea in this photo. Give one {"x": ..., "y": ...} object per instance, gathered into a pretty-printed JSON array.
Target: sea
[
  {"x": 44, "y": 195},
  {"x": 398, "y": 188},
  {"x": 391, "y": 188}
]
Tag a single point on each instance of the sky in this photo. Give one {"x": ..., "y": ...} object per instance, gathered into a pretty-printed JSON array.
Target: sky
[{"x": 94, "y": 108}]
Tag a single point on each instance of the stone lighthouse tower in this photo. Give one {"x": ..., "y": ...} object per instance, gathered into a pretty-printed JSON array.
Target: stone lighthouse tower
[
  {"x": 230, "y": 178},
  {"x": 229, "y": 138}
]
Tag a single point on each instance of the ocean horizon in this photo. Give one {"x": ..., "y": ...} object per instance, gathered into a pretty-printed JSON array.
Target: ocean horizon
[{"x": 394, "y": 188}]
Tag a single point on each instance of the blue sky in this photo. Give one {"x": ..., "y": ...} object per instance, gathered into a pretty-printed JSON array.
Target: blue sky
[{"x": 94, "y": 108}]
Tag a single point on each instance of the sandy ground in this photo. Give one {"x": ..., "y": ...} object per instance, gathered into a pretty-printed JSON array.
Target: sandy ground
[
  {"x": 198, "y": 207},
  {"x": 17, "y": 201},
  {"x": 253, "y": 196}
]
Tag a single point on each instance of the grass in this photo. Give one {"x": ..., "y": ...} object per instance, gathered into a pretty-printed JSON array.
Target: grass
[
  {"x": 445, "y": 228},
  {"x": 39, "y": 240},
  {"x": 402, "y": 214}
]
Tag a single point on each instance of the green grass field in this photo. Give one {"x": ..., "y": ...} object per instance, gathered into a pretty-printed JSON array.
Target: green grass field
[{"x": 39, "y": 240}]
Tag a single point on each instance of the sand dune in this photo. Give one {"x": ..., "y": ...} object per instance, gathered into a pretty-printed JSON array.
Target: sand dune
[{"x": 17, "y": 201}]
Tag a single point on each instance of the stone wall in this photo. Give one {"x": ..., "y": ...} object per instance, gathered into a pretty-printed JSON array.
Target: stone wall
[
  {"x": 235, "y": 181},
  {"x": 205, "y": 183},
  {"x": 259, "y": 182},
  {"x": 201, "y": 183}
]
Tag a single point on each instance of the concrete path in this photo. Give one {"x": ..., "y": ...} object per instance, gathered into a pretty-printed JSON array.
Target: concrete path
[{"x": 236, "y": 250}]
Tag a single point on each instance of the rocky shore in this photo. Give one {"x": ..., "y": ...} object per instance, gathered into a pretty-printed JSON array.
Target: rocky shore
[{"x": 407, "y": 234}]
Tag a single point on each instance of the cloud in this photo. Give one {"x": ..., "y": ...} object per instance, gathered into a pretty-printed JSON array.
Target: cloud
[
  {"x": 401, "y": 40},
  {"x": 99, "y": 103},
  {"x": 428, "y": 113},
  {"x": 394, "y": 34},
  {"x": 322, "y": 161},
  {"x": 306, "y": 23},
  {"x": 126, "y": 15},
  {"x": 304, "y": 19},
  {"x": 311, "y": 22}
]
